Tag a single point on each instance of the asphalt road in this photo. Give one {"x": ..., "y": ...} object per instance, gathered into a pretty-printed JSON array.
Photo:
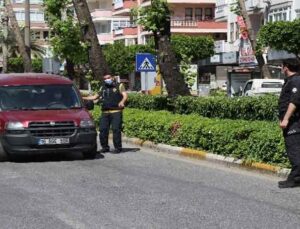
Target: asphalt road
[{"x": 140, "y": 189}]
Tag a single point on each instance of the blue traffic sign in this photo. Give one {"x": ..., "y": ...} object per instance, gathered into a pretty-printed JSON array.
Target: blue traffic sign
[{"x": 145, "y": 62}]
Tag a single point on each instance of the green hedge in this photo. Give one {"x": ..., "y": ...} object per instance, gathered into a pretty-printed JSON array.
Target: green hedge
[
  {"x": 258, "y": 141},
  {"x": 248, "y": 108}
]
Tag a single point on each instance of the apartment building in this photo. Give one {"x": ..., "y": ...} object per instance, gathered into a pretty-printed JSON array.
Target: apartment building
[
  {"x": 260, "y": 12},
  {"x": 192, "y": 17},
  {"x": 39, "y": 28},
  {"x": 107, "y": 24}
]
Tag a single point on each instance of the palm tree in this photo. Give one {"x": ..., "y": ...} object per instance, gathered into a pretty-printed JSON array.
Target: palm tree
[{"x": 18, "y": 36}]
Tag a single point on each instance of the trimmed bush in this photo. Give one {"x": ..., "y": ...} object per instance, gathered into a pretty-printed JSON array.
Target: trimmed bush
[
  {"x": 258, "y": 141},
  {"x": 248, "y": 108}
]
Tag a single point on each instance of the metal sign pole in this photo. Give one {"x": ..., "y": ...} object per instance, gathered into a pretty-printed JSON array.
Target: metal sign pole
[{"x": 146, "y": 83}]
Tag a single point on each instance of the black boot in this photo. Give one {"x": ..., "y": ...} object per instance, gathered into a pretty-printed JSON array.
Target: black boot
[{"x": 288, "y": 184}]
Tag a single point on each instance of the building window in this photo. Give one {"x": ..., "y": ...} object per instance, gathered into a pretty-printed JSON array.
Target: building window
[
  {"x": 237, "y": 31},
  {"x": 208, "y": 14},
  {"x": 103, "y": 27},
  {"x": 298, "y": 13},
  {"x": 35, "y": 16},
  {"x": 35, "y": 35},
  {"x": 188, "y": 14},
  {"x": 198, "y": 14},
  {"x": 281, "y": 14},
  {"x": 46, "y": 35},
  {"x": 122, "y": 24},
  {"x": 231, "y": 32}
]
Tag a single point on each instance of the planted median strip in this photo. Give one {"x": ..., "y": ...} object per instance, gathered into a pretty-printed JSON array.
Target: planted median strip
[{"x": 252, "y": 141}]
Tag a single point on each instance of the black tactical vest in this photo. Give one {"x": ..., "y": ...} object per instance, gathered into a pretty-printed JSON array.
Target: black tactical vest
[{"x": 111, "y": 97}]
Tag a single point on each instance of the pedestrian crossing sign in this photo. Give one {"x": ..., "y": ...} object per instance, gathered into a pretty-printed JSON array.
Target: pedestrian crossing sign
[{"x": 145, "y": 62}]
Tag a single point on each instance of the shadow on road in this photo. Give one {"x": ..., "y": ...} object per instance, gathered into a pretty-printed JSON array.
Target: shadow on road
[
  {"x": 56, "y": 157},
  {"x": 125, "y": 150}
]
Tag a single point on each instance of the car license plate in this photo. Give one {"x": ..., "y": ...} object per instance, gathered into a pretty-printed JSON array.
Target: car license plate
[{"x": 53, "y": 141}]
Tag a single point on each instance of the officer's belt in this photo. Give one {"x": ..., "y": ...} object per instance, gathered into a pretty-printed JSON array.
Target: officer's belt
[{"x": 111, "y": 111}]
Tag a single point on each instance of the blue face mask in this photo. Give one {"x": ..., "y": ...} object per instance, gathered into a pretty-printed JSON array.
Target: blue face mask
[{"x": 108, "y": 81}]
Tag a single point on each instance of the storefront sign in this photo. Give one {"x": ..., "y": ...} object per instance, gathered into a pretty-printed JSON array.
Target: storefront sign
[
  {"x": 229, "y": 58},
  {"x": 246, "y": 52},
  {"x": 219, "y": 46},
  {"x": 215, "y": 59}
]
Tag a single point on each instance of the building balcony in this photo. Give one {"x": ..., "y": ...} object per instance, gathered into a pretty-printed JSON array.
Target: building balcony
[
  {"x": 105, "y": 38},
  {"x": 254, "y": 5},
  {"x": 193, "y": 26},
  {"x": 191, "y": 1},
  {"x": 222, "y": 12},
  {"x": 145, "y": 3},
  {"x": 125, "y": 32},
  {"x": 103, "y": 15},
  {"x": 123, "y": 7}
]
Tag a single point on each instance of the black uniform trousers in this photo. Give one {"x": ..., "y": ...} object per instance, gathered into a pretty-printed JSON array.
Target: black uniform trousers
[
  {"x": 114, "y": 120},
  {"x": 292, "y": 145}
]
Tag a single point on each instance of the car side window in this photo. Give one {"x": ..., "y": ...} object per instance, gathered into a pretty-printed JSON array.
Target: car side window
[{"x": 248, "y": 87}]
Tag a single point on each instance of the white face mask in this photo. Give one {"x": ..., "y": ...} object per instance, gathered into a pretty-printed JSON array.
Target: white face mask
[{"x": 108, "y": 81}]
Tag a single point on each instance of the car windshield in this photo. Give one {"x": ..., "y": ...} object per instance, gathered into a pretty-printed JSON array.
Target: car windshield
[{"x": 39, "y": 97}]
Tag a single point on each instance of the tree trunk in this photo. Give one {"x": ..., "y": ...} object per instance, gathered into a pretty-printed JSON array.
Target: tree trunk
[
  {"x": 19, "y": 37},
  {"x": 261, "y": 62},
  {"x": 95, "y": 54},
  {"x": 169, "y": 69},
  {"x": 70, "y": 69},
  {"x": 167, "y": 61},
  {"x": 27, "y": 26},
  {"x": 4, "y": 42}
]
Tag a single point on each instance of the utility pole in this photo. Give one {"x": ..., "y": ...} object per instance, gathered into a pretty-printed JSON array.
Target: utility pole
[
  {"x": 27, "y": 26},
  {"x": 4, "y": 22}
]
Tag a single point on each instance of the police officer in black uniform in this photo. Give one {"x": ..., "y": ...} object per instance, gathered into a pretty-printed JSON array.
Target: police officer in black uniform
[
  {"x": 113, "y": 97},
  {"x": 289, "y": 116}
]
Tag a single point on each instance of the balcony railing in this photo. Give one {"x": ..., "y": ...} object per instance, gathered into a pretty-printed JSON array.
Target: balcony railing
[
  {"x": 101, "y": 13},
  {"x": 183, "y": 23},
  {"x": 208, "y": 24},
  {"x": 126, "y": 31}
]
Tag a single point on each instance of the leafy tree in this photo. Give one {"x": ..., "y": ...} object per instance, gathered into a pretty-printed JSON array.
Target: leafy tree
[
  {"x": 67, "y": 43},
  {"x": 15, "y": 64},
  {"x": 121, "y": 58},
  {"x": 281, "y": 35},
  {"x": 156, "y": 19},
  {"x": 196, "y": 47}
]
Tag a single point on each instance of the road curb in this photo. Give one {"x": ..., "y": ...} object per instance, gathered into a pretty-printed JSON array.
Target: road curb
[{"x": 203, "y": 155}]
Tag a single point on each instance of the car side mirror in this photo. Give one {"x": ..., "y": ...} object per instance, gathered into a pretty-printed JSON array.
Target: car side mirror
[{"x": 89, "y": 104}]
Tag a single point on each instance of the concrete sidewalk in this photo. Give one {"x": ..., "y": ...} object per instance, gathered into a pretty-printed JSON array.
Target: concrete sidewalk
[{"x": 199, "y": 154}]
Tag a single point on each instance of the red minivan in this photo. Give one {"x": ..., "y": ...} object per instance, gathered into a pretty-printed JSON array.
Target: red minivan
[{"x": 41, "y": 113}]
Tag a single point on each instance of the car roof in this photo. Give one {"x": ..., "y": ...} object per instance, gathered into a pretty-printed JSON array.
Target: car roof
[{"x": 17, "y": 79}]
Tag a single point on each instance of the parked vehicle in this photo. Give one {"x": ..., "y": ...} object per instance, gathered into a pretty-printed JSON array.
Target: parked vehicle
[
  {"x": 256, "y": 87},
  {"x": 42, "y": 113}
]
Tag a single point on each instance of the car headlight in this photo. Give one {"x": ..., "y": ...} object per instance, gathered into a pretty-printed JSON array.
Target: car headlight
[
  {"x": 87, "y": 123},
  {"x": 14, "y": 126}
]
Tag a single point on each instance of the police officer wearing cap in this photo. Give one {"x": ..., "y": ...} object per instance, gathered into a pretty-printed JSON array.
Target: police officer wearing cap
[{"x": 289, "y": 117}]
